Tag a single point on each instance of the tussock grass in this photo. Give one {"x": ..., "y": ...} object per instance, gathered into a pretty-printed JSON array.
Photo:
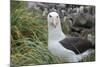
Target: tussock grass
[{"x": 29, "y": 37}]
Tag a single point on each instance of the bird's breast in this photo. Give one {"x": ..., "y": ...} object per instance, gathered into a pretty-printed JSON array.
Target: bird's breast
[{"x": 56, "y": 48}]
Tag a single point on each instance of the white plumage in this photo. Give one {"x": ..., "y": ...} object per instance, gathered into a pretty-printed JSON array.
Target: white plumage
[{"x": 55, "y": 35}]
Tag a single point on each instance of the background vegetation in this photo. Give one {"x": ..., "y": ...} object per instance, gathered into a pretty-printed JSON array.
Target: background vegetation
[{"x": 29, "y": 37}]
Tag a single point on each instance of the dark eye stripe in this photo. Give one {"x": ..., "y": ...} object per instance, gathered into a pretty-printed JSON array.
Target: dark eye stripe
[{"x": 50, "y": 16}]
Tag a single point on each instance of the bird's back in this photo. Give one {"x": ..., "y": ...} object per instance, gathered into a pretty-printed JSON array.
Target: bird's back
[{"x": 76, "y": 44}]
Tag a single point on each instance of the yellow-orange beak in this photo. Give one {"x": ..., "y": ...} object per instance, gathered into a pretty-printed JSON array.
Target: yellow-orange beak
[{"x": 54, "y": 23}]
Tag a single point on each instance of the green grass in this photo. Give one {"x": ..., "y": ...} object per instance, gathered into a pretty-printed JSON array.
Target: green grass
[{"x": 29, "y": 37}]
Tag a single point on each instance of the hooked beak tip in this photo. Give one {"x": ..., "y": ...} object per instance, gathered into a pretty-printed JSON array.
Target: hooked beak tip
[{"x": 54, "y": 25}]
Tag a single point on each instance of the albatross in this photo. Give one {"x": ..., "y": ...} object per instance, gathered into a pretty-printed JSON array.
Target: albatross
[{"x": 69, "y": 49}]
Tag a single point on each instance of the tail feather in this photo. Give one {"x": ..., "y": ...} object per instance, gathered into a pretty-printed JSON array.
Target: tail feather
[{"x": 86, "y": 53}]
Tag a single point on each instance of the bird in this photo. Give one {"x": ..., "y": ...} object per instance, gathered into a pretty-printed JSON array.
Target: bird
[{"x": 68, "y": 49}]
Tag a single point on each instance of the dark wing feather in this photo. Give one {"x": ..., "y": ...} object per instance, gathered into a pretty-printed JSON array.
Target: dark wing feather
[{"x": 76, "y": 44}]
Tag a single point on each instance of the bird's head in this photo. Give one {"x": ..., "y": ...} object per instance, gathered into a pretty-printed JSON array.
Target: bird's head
[
  {"x": 54, "y": 27},
  {"x": 53, "y": 19}
]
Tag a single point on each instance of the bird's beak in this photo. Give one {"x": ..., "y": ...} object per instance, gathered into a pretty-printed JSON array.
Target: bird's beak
[{"x": 54, "y": 23}]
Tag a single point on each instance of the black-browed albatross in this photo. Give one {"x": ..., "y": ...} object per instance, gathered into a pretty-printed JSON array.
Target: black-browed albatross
[{"x": 69, "y": 49}]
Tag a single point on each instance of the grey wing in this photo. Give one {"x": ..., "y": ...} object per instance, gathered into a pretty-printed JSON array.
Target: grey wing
[{"x": 76, "y": 44}]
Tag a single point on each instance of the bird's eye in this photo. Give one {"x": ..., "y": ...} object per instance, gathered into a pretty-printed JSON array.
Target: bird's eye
[
  {"x": 57, "y": 16},
  {"x": 50, "y": 16}
]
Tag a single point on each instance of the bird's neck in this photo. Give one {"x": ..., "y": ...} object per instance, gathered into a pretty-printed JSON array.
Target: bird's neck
[{"x": 55, "y": 33}]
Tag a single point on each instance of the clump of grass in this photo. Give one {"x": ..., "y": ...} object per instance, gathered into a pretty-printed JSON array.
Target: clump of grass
[
  {"x": 29, "y": 38},
  {"x": 89, "y": 58}
]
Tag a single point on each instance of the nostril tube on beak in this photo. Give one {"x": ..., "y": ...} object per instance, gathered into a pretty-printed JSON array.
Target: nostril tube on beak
[{"x": 54, "y": 23}]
